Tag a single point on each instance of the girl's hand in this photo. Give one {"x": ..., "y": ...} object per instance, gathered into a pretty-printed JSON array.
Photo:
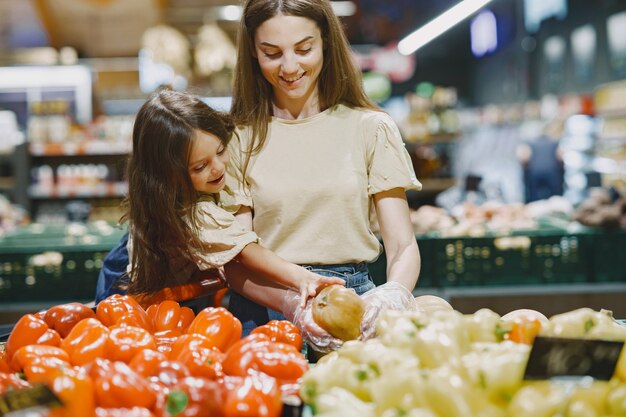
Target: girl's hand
[
  {"x": 313, "y": 283},
  {"x": 302, "y": 316}
]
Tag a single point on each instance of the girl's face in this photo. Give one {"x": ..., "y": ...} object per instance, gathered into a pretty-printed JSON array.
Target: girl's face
[
  {"x": 207, "y": 163},
  {"x": 290, "y": 54}
]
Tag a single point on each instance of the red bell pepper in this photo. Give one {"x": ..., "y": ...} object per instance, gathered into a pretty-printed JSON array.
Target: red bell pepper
[
  {"x": 75, "y": 390},
  {"x": 254, "y": 395},
  {"x": 125, "y": 341},
  {"x": 218, "y": 325},
  {"x": 191, "y": 397},
  {"x": 146, "y": 362},
  {"x": 63, "y": 317},
  {"x": 199, "y": 356},
  {"x": 121, "y": 387},
  {"x": 169, "y": 315},
  {"x": 257, "y": 352},
  {"x": 123, "y": 310},
  {"x": 86, "y": 341},
  {"x": 123, "y": 412},
  {"x": 41, "y": 368},
  {"x": 11, "y": 381},
  {"x": 282, "y": 331},
  {"x": 25, "y": 355},
  {"x": 30, "y": 330},
  {"x": 165, "y": 340},
  {"x": 4, "y": 361}
]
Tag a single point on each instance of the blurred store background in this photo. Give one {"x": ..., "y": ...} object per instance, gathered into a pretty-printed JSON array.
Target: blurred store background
[{"x": 514, "y": 116}]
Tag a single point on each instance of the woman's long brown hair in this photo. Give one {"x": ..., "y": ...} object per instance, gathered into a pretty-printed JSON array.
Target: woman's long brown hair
[
  {"x": 161, "y": 195},
  {"x": 340, "y": 80}
]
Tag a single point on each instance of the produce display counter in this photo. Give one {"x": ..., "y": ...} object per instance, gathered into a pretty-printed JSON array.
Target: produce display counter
[
  {"x": 551, "y": 269},
  {"x": 43, "y": 265}
]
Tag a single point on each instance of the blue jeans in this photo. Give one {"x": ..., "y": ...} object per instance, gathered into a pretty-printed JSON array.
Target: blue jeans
[{"x": 253, "y": 315}]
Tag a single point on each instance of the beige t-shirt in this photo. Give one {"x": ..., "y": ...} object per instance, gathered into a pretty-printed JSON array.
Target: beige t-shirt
[
  {"x": 218, "y": 229},
  {"x": 311, "y": 185}
]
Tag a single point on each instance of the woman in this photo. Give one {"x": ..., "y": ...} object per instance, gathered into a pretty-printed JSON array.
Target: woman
[{"x": 314, "y": 154}]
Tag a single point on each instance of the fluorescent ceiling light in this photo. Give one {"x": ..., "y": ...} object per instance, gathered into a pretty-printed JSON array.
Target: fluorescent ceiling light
[
  {"x": 233, "y": 12},
  {"x": 439, "y": 25},
  {"x": 343, "y": 8}
]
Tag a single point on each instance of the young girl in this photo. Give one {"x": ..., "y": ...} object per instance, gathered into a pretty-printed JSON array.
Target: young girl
[{"x": 179, "y": 219}]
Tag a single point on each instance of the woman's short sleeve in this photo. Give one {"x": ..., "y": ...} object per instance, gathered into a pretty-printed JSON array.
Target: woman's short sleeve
[
  {"x": 238, "y": 190},
  {"x": 390, "y": 165},
  {"x": 222, "y": 235}
]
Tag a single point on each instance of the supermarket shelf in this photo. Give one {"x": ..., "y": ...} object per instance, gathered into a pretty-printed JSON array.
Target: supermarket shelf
[
  {"x": 7, "y": 183},
  {"x": 94, "y": 147},
  {"x": 104, "y": 190}
]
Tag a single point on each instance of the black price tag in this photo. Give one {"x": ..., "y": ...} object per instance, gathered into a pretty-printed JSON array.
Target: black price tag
[
  {"x": 36, "y": 396},
  {"x": 553, "y": 357}
]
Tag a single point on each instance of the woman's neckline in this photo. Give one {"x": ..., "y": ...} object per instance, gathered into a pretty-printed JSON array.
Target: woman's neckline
[{"x": 304, "y": 119}]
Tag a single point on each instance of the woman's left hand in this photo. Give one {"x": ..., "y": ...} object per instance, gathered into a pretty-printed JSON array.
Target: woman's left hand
[{"x": 389, "y": 296}]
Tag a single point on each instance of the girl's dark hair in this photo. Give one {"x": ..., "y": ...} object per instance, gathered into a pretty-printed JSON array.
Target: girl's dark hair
[
  {"x": 339, "y": 81},
  {"x": 161, "y": 195}
]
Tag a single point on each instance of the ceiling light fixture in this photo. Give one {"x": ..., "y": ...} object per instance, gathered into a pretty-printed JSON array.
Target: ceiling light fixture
[
  {"x": 233, "y": 12},
  {"x": 439, "y": 25},
  {"x": 343, "y": 8}
]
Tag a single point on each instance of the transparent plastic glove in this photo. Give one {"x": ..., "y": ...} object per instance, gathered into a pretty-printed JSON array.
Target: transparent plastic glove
[
  {"x": 312, "y": 283},
  {"x": 318, "y": 338},
  {"x": 389, "y": 296}
]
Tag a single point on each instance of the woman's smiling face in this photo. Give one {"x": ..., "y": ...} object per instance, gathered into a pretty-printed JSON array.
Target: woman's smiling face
[
  {"x": 207, "y": 163},
  {"x": 289, "y": 50}
]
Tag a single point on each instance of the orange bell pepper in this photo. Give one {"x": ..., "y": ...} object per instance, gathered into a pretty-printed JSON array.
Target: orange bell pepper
[
  {"x": 166, "y": 339},
  {"x": 123, "y": 310},
  {"x": 123, "y": 412},
  {"x": 257, "y": 352},
  {"x": 75, "y": 389},
  {"x": 199, "y": 356},
  {"x": 201, "y": 283},
  {"x": 154, "y": 365},
  {"x": 524, "y": 330},
  {"x": 146, "y": 362},
  {"x": 282, "y": 331},
  {"x": 4, "y": 361},
  {"x": 169, "y": 373},
  {"x": 40, "y": 369},
  {"x": 25, "y": 355},
  {"x": 191, "y": 397},
  {"x": 86, "y": 341},
  {"x": 118, "y": 386},
  {"x": 218, "y": 325},
  {"x": 63, "y": 317},
  {"x": 30, "y": 330},
  {"x": 255, "y": 395},
  {"x": 11, "y": 381},
  {"x": 169, "y": 315},
  {"x": 125, "y": 341}
]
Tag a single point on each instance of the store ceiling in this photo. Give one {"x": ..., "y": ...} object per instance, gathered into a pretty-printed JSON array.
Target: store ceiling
[{"x": 114, "y": 27}]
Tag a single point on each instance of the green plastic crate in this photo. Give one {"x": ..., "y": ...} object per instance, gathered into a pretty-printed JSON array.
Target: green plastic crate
[
  {"x": 608, "y": 249},
  {"x": 49, "y": 265},
  {"x": 520, "y": 259},
  {"x": 427, "y": 277}
]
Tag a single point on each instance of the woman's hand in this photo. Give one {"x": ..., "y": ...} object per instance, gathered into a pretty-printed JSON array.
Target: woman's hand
[{"x": 389, "y": 296}]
